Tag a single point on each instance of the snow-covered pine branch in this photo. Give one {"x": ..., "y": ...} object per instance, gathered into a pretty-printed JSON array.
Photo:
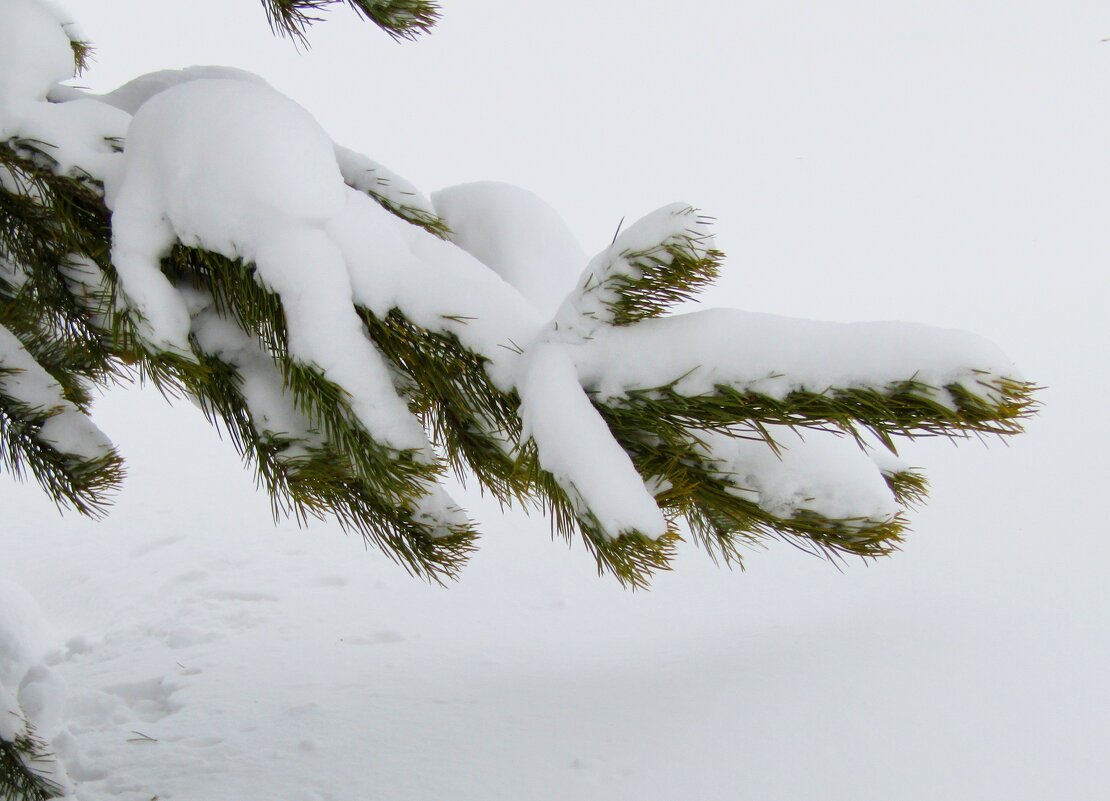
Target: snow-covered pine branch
[{"x": 197, "y": 229}]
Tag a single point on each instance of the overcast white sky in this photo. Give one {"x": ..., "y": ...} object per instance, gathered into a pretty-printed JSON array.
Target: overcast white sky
[{"x": 943, "y": 162}]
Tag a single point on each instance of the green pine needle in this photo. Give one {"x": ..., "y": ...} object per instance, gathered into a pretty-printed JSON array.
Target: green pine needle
[
  {"x": 82, "y": 55},
  {"x": 910, "y": 487}
]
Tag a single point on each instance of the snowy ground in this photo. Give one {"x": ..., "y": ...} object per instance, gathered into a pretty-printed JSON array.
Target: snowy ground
[
  {"x": 875, "y": 165},
  {"x": 270, "y": 663}
]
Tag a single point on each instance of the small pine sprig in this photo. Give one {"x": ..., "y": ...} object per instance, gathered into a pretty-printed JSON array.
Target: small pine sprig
[
  {"x": 404, "y": 19},
  {"x": 389, "y": 190},
  {"x": 82, "y": 55},
  {"x": 664, "y": 259},
  {"x": 431, "y": 223},
  {"x": 19, "y": 781},
  {"x": 668, "y": 273},
  {"x": 909, "y": 486}
]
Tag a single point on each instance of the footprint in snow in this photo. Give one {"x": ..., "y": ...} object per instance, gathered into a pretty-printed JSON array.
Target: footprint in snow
[
  {"x": 237, "y": 595},
  {"x": 377, "y": 638},
  {"x": 149, "y": 700},
  {"x": 329, "y": 581},
  {"x": 156, "y": 545}
]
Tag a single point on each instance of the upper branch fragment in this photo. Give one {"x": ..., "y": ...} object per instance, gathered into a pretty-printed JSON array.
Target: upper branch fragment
[{"x": 401, "y": 19}]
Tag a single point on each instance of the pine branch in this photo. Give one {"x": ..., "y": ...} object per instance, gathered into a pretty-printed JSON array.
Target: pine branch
[
  {"x": 322, "y": 483},
  {"x": 628, "y": 556},
  {"x": 653, "y": 279},
  {"x": 479, "y": 429},
  {"x": 369, "y": 489},
  {"x": 340, "y": 470}
]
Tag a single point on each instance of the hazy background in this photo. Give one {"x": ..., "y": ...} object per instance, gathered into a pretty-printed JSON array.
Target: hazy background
[{"x": 943, "y": 163}]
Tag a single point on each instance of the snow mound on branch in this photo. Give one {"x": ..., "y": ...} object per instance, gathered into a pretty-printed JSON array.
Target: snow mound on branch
[
  {"x": 236, "y": 168},
  {"x": 131, "y": 96},
  {"x": 236, "y": 159},
  {"x": 811, "y": 471},
  {"x": 359, "y": 171},
  {"x": 694, "y": 353},
  {"x": 515, "y": 234},
  {"x": 80, "y": 135}
]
